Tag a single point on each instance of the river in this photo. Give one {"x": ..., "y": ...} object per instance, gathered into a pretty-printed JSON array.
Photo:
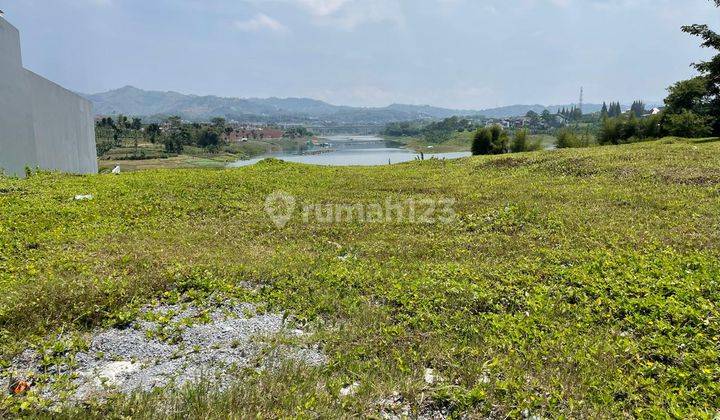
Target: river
[{"x": 351, "y": 151}]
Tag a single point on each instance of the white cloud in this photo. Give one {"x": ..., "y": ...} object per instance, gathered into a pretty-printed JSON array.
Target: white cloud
[
  {"x": 349, "y": 14},
  {"x": 322, "y": 7},
  {"x": 260, "y": 22}
]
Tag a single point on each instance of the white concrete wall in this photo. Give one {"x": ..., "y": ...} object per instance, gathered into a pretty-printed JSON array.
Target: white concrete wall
[
  {"x": 41, "y": 124},
  {"x": 17, "y": 138},
  {"x": 62, "y": 122}
]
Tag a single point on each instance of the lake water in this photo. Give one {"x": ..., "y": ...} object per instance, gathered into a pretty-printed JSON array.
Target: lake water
[{"x": 352, "y": 151}]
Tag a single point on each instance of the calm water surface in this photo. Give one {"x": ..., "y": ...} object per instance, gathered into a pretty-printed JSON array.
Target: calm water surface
[{"x": 352, "y": 151}]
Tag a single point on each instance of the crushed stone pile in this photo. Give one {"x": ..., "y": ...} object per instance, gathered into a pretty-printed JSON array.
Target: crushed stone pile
[{"x": 169, "y": 345}]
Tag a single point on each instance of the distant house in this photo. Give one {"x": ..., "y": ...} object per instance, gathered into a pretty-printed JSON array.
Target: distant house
[
  {"x": 272, "y": 133},
  {"x": 654, "y": 111}
]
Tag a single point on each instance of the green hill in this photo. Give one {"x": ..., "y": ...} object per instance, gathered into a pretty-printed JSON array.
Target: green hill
[{"x": 581, "y": 283}]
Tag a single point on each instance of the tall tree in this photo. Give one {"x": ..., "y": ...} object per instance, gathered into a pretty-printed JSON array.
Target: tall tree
[
  {"x": 153, "y": 130},
  {"x": 638, "y": 109},
  {"x": 710, "y": 70},
  {"x": 219, "y": 123},
  {"x": 547, "y": 117}
]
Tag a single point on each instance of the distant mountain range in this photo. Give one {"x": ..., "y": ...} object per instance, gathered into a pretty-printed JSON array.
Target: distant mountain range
[{"x": 153, "y": 104}]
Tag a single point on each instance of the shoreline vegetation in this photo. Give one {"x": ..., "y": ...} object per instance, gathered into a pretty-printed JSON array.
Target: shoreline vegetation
[{"x": 577, "y": 283}]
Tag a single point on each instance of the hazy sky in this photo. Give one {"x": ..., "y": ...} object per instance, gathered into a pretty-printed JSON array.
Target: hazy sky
[{"x": 452, "y": 53}]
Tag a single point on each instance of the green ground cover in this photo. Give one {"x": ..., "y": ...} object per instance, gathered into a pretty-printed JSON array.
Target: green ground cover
[{"x": 578, "y": 283}]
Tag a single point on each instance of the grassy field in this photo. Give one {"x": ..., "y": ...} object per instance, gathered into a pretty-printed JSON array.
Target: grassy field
[
  {"x": 577, "y": 283},
  {"x": 217, "y": 160}
]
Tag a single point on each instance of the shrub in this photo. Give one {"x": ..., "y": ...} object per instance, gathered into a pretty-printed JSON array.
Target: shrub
[
  {"x": 630, "y": 129},
  {"x": 610, "y": 133},
  {"x": 651, "y": 127},
  {"x": 490, "y": 141},
  {"x": 482, "y": 142},
  {"x": 522, "y": 143},
  {"x": 567, "y": 139}
]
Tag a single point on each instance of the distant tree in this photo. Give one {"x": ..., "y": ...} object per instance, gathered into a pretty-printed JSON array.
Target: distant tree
[
  {"x": 604, "y": 112},
  {"x": 103, "y": 146},
  {"x": 547, "y": 117},
  {"x": 136, "y": 123},
  {"x": 175, "y": 141},
  {"x": 630, "y": 128},
  {"x": 293, "y": 133},
  {"x": 174, "y": 121},
  {"x": 121, "y": 121},
  {"x": 219, "y": 123},
  {"x": 176, "y": 137},
  {"x": 106, "y": 122},
  {"x": 615, "y": 110},
  {"x": 403, "y": 129},
  {"x": 153, "y": 131},
  {"x": 692, "y": 95},
  {"x": 208, "y": 138},
  {"x": 638, "y": 109},
  {"x": 533, "y": 117},
  {"x": 576, "y": 114}
]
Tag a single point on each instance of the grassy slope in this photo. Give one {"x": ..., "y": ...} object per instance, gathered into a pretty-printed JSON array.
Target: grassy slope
[{"x": 577, "y": 282}]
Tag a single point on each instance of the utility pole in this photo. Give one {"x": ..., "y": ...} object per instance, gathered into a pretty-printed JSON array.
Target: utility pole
[{"x": 581, "y": 99}]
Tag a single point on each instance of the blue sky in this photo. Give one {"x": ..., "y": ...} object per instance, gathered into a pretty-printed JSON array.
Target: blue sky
[{"x": 453, "y": 53}]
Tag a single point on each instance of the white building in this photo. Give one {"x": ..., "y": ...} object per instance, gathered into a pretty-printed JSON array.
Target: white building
[{"x": 42, "y": 125}]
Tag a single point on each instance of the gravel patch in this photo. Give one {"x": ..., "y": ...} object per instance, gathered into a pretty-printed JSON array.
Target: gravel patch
[{"x": 170, "y": 345}]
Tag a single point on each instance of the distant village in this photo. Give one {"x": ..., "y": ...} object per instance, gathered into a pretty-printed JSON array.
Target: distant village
[{"x": 546, "y": 121}]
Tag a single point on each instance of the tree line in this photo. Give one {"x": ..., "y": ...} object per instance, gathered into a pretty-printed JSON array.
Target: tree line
[
  {"x": 692, "y": 107},
  {"x": 434, "y": 132},
  {"x": 174, "y": 136}
]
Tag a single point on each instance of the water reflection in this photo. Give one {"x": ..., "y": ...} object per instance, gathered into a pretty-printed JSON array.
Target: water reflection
[{"x": 352, "y": 151}]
